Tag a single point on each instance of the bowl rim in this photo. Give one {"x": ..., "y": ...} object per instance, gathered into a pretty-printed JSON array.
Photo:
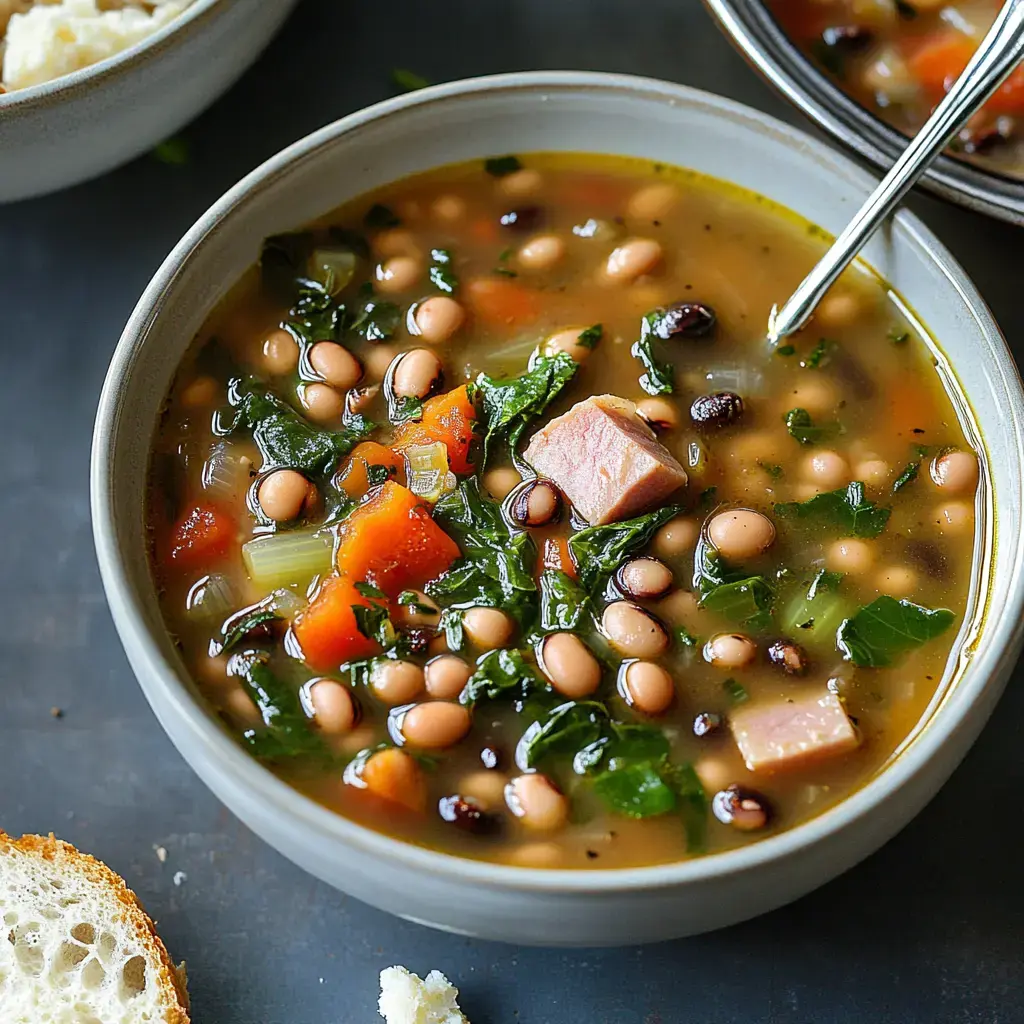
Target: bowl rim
[
  {"x": 991, "y": 661},
  {"x": 754, "y": 32},
  {"x": 19, "y": 101}
]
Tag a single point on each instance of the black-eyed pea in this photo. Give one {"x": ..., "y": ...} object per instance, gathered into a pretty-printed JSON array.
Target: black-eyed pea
[
  {"x": 633, "y": 631},
  {"x": 676, "y": 538},
  {"x": 825, "y": 469},
  {"x": 280, "y": 352},
  {"x": 435, "y": 725},
  {"x": 335, "y": 364},
  {"x": 499, "y": 483},
  {"x": 647, "y": 687},
  {"x": 568, "y": 341},
  {"x": 740, "y": 534},
  {"x": 537, "y": 803},
  {"x": 653, "y": 202},
  {"x": 850, "y": 555},
  {"x": 567, "y": 662},
  {"x": 730, "y": 651},
  {"x": 396, "y": 682},
  {"x": 416, "y": 374},
  {"x": 954, "y": 518},
  {"x": 788, "y": 656},
  {"x": 438, "y": 318},
  {"x": 398, "y": 274},
  {"x": 659, "y": 414},
  {"x": 446, "y": 676},
  {"x": 955, "y": 472},
  {"x": 644, "y": 578},
  {"x": 359, "y": 399},
  {"x": 332, "y": 706},
  {"x": 322, "y": 403},
  {"x": 284, "y": 494},
  {"x": 742, "y": 808},
  {"x": 488, "y": 628},
  {"x": 632, "y": 259},
  {"x": 537, "y": 503},
  {"x": 541, "y": 253}
]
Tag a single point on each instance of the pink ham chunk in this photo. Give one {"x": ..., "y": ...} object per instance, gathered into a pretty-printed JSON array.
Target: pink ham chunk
[
  {"x": 791, "y": 733},
  {"x": 605, "y": 460}
]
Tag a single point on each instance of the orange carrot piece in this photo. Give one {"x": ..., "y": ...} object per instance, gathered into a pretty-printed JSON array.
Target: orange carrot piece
[
  {"x": 391, "y": 542},
  {"x": 393, "y": 775},
  {"x": 557, "y": 556},
  {"x": 204, "y": 534},
  {"x": 941, "y": 60},
  {"x": 327, "y": 630},
  {"x": 354, "y": 477},
  {"x": 447, "y": 418},
  {"x": 500, "y": 302},
  {"x": 484, "y": 229}
]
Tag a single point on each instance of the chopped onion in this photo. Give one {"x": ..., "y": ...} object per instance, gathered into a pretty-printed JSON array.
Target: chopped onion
[
  {"x": 739, "y": 378},
  {"x": 427, "y": 470},
  {"x": 696, "y": 458},
  {"x": 210, "y": 599},
  {"x": 288, "y": 559},
  {"x": 226, "y": 472}
]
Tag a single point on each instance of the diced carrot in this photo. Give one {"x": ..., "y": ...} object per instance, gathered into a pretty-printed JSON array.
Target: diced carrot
[
  {"x": 354, "y": 477},
  {"x": 940, "y": 61},
  {"x": 557, "y": 556},
  {"x": 484, "y": 229},
  {"x": 911, "y": 408},
  {"x": 393, "y": 775},
  {"x": 391, "y": 542},
  {"x": 327, "y": 630},
  {"x": 499, "y": 301},
  {"x": 447, "y": 418},
  {"x": 203, "y": 535}
]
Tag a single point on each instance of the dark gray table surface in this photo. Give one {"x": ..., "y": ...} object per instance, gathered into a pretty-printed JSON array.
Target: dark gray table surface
[{"x": 927, "y": 930}]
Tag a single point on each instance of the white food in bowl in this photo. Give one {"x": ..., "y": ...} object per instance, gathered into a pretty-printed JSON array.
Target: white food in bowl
[
  {"x": 406, "y": 998},
  {"x": 51, "y": 40},
  {"x": 575, "y": 112}
]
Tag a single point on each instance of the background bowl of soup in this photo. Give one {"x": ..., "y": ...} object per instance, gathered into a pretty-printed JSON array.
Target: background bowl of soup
[
  {"x": 80, "y": 124},
  {"x": 655, "y": 123},
  {"x": 868, "y": 78}
]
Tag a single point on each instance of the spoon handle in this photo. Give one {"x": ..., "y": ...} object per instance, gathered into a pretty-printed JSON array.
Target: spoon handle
[{"x": 1000, "y": 52}]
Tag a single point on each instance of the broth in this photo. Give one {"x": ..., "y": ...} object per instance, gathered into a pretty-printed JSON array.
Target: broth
[
  {"x": 899, "y": 58},
  {"x": 554, "y": 262}
]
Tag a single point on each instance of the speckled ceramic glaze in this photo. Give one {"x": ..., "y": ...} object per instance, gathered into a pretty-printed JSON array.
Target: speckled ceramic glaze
[
  {"x": 582, "y": 112},
  {"x": 75, "y": 127}
]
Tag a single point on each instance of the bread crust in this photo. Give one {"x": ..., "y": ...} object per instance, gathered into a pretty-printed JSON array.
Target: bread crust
[{"x": 170, "y": 979}]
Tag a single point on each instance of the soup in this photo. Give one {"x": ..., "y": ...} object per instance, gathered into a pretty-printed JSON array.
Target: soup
[
  {"x": 899, "y": 57},
  {"x": 484, "y": 514}
]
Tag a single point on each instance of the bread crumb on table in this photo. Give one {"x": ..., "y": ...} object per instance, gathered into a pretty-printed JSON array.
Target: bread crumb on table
[{"x": 405, "y": 998}]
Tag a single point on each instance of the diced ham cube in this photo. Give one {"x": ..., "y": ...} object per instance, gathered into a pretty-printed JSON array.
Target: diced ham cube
[
  {"x": 790, "y": 733},
  {"x": 606, "y": 460}
]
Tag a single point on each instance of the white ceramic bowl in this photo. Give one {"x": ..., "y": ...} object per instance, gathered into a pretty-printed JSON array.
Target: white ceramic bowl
[
  {"x": 66, "y": 131},
  {"x": 520, "y": 113}
]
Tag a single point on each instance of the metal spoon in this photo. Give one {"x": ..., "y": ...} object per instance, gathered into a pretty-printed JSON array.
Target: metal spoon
[{"x": 1000, "y": 52}]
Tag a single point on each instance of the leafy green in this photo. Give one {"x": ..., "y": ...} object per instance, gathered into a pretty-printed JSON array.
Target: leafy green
[
  {"x": 803, "y": 429},
  {"x": 315, "y": 315},
  {"x": 377, "y": 475},
  {"x": 374, "y": 623},
  {"x": 376, "y": 321},
  {"x": 408, "y": 81},
  {"x": 685, "y": 637},
  {"x": 599, "y": 550},
  {"x": 500, "y": 166},
  {"x": 735, "y": 691},
  {"x": 174, "y": 151},
  {"x": 410, "y": 599},
  {"x": 814, "y": 614},
  {"x": 403, "y": 408},
  {"x": 564, "y": 604},
  {"x": 509, "y": 405},
  {"x": 236, "y": 628},
  {"x": 785, "y": 350},
  {"x": 659, "y": 376},
  {"x": 735, "y": 595},
  {"x": 285, "y": 438},
  {"x": 636, "y": 790},
  {"x": 898, "y": 337},
  {"x": 845, "y": 510},
  {"x": 502, "y": 673},
  {"x": 282, "y": 262},
  {"x": 591, "y": 336},
  {"x": 369, "y": 590},
  {"x": 881, "y": 631},
  {"x": 287, "y": 733},
  {"x": 567, "y": 729},
  {"x": 819, "y": 355},
  {"x": 442, "y": 277},
  {"x": 380, "y": 216},
  {"x": 908, "y": 475}
]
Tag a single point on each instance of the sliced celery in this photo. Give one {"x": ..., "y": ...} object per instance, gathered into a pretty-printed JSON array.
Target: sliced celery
[
  {"x": 427, "y": 470},
  {"x": 288, "y": 559}
]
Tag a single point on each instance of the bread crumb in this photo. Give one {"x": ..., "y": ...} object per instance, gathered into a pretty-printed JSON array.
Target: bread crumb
[
  {"x": 57, "y": 712},
  {"x": 179, "y": 877},
  {"x": 161, "y": 853},
  {"x": 405, "y": 998}
]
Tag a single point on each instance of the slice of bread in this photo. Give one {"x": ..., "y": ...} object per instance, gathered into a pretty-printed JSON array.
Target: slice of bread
[{"x": 76, "y": 947}]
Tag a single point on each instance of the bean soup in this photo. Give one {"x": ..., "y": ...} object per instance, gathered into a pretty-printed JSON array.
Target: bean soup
[
  {"x": 484, "y": 514},
  {"x": 899, "y": 57}
]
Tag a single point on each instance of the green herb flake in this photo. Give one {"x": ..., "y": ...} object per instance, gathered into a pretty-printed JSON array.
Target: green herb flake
[
  {"x": 845, "y": 510},
  {"x": 500, "y": 674},
  {"x": 502, "y": 166},
  {"x": 377, "y": 475},
  {"x": 591, "y": 336},
  {"x": 819, "y": 355},
  {"x": 369, "y": 590},
  {"x": 376, "y": 321},
  {"x": 772, "y": 469},
  {"x": 408, "y": 81},
  {"x": 898, "y": 337},
  {"x": 908, "y": 475},
  {"x": 659, "y": 376},
  {"x": 686, "y": 638},
  {"x": 379, "y": 216},
  {"x": 803, "y": 429},
  {"x": 567, "y": 729},
  {"x": 735, "y": 691},
  {"x": 877, "y": 634},
  {"x": 411, "y": 600},
  {"x": 175, "y": 151},
  {"x": 785, "y": 350}
]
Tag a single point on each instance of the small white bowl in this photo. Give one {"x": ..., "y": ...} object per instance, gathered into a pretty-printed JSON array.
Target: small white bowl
[
  {"x": 566, "y": 111},
  {"x": 80, "y": 125}
]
